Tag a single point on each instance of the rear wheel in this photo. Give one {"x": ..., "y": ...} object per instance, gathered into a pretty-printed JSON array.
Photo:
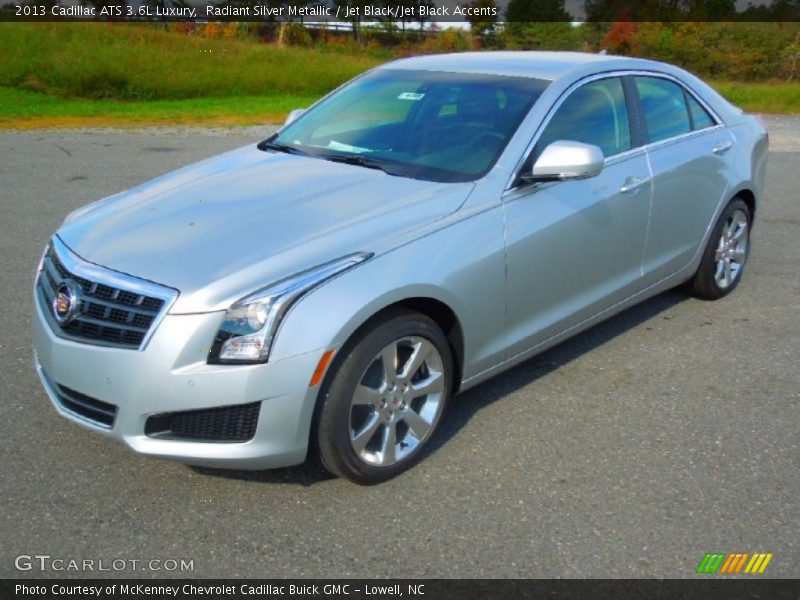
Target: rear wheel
[
  {"x": 724, "y": 258},
  {"x": 385, "y": 398}
]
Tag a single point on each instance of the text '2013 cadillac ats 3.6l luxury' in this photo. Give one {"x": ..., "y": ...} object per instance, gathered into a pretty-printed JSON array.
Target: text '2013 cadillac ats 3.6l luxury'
[{"x": 431, "y": 223}]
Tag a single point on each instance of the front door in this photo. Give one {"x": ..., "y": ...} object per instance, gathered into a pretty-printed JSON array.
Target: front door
[{"x": 575, "y": 247}]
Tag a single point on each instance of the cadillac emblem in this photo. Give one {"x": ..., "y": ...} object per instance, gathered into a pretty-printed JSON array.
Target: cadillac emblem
[{"x": 67, "y": 302}]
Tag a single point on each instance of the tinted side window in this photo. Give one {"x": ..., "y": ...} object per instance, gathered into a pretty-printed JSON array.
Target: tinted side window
[
  {"x": 700, "y": 116},
  {"x": 593, "y": 114},
  {"x": 664, "y": 107}
]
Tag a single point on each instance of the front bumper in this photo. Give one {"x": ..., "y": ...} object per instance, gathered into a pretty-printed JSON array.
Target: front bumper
[{"x": 171, "y": 374}]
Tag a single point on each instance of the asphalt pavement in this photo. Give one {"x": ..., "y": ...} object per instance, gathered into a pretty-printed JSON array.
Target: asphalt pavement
[{"x": 631, "y": 450}]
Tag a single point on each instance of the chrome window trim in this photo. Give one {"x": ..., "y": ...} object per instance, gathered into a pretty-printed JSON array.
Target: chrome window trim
[
  {"x": 679, "y": 138},
  {"x": 719, "y": 123},
  {"x": 95, "y": 273}
]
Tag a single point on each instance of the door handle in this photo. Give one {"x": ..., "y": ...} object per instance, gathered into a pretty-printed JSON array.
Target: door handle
[
  {"x": 633, "y": 183},
  {"x": 722, "y": 147}
]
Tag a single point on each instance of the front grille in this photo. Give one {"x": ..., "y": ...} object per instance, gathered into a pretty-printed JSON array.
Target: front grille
[
  {"x": 224, "y": 424},
  {"x": 107, "y": 315},
  {"x": 94, "y": 410}
]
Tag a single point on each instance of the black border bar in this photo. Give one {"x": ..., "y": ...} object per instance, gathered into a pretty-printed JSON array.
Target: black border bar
[
  {"x": 419, "y": 589},
  {"x": 422, "y": 11}
]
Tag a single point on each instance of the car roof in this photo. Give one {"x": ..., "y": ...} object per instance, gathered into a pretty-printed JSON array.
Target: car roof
[{"x": 540, "y": 65}]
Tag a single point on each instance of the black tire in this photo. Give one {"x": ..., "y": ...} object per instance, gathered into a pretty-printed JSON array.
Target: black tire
[
  {"x": 704, "y": 284},
  {"x": 355, "y": 363}
]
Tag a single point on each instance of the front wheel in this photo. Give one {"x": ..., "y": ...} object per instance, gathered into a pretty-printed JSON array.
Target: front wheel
[
  {"x": 725, "y": 255},
  {"x": 385, "y": 398}
]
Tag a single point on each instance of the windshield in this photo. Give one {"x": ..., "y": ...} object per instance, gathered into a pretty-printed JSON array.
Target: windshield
[{"x": 428, "y": 125}]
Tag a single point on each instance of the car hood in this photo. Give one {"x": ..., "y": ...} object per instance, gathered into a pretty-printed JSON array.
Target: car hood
[{"x": 229, "y": 225}]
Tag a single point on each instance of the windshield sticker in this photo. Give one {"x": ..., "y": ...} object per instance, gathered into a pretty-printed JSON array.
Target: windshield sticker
[
  {"x": 334, "y": 145},
  {"x": 410, "y": 96}
]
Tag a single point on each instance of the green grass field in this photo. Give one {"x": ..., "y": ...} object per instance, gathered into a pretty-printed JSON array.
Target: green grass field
[
  {"x": 23, "y": 109},
  {"x": 95, "y": 74},
  {"x": 778, "y": 98},
  {"x": 136, "y": 62}
]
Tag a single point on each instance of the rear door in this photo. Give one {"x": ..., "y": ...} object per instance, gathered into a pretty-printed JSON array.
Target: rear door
[
  {"x": 687, "y": 149},
  {"x": 575, "y": 247}
]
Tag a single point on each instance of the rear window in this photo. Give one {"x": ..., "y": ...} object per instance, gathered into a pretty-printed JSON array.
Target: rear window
[
  {"x": 700, "y": 117},
  {"x": 665, "y": 111}
]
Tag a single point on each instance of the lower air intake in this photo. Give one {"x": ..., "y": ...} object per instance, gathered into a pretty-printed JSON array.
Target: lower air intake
[{"x": 224, "y": 424}]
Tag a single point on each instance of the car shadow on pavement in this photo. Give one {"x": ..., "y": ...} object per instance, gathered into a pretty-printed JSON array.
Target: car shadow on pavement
[
  {"x": 468, "y": 404},
  {"x": 307, "y": 474}
]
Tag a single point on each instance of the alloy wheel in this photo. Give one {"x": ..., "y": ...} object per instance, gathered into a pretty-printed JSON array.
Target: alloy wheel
[
  {"x": 397, "y": 401},
  {"x": 731, "y": 250}
]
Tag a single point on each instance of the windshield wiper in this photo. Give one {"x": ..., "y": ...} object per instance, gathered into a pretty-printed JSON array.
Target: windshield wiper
[
  {"x": 278, "y": 147},
  {"x": 361, "y": 161}
]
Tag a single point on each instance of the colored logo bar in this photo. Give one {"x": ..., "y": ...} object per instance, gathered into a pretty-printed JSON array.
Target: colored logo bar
[{"x": 723, "y": 563}]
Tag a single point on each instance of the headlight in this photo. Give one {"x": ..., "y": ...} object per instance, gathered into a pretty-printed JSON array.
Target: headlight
[
  {"x": 41, "y": 259},
  {"x": 40, "y": 266},
  {"x": 251, "y": 323}
]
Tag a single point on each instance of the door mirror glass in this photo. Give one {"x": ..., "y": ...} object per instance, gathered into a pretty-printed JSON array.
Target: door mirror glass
[
  {"x": 294, "y": 115},
  {"x": 568, "y": 160}
]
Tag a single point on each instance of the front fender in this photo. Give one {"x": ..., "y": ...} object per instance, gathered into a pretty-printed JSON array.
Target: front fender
[{"x": 461, "y": 265}]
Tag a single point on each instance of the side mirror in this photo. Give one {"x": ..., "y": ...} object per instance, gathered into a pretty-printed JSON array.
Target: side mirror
[
  {"x": 568, "y": 160},
  {"x": 293, "y": 115}
]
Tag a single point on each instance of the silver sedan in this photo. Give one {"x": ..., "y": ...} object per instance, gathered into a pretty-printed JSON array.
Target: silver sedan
[{"x": 423, "y": 228}]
